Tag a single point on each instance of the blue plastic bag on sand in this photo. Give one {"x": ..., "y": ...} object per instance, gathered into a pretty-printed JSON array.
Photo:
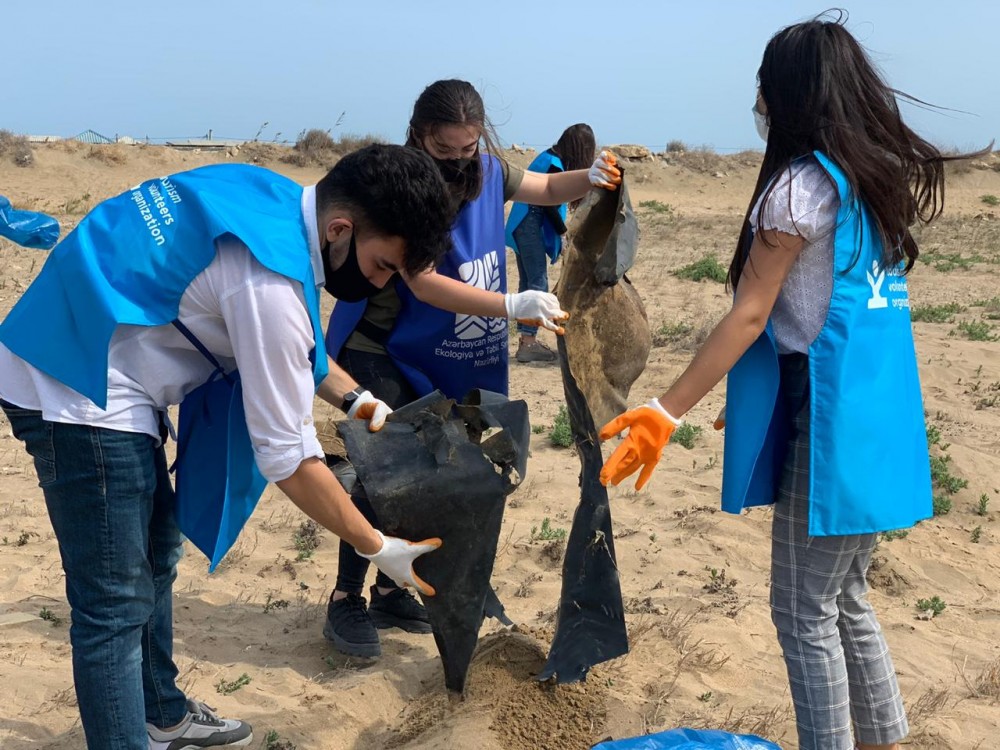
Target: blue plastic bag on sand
[
  {"x": 27, "y": 228},
  {"x": 690, "y": 739}
]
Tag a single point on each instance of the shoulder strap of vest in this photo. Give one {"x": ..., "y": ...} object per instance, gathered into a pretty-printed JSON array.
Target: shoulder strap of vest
[{"x": 196, "y": 343}]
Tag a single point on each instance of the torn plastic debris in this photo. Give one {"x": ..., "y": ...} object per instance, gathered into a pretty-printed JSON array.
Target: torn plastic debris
[
  {"x": 27, "y": 228},
  {"x": 430, "y": 473}
]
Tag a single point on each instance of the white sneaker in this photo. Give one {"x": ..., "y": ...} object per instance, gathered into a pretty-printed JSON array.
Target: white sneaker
[{"x": 201, "y": 728}]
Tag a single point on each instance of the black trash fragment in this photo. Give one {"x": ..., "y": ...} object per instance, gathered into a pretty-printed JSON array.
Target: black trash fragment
[
  {"x": 441, "y": 469},
  {"x": 590, "y": 625}
]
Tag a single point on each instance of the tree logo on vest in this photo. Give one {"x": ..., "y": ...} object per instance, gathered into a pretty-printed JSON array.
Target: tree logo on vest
[
  {"x": 482, "y": 273},
  {"x": 876, "y": 277}
]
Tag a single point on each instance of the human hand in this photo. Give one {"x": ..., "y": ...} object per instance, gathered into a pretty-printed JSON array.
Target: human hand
[
  {"x": 366, "y": 406},
  {"x": 536, "y": 308},
  {"x": 396, "y": 557},
  {"x": 604, "y": 173},
  {"x": 649, "y": 430}
]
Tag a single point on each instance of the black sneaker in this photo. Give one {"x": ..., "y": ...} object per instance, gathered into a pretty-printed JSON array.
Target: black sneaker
[
  {"x": 349, "y": 627},
  {"x": 398, "y": 609}
]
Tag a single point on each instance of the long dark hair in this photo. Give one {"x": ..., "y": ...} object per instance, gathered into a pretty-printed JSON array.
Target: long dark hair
[
  {"x": 823, "y": 93},
  {"x": 454, "y": 102},
  {"x": 575, "y": 149}
]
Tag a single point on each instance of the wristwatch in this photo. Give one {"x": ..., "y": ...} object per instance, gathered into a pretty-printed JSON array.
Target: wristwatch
[{"x": 350, "y": 397}]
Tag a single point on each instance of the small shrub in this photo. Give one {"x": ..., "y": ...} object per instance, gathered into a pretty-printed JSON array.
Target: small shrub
[
  {"x": 933, "y": 434},
  {"x": 942, "y": 478},
  {"x": 274, "y": 604},
  {"x": 990, "y": 200},
  {"x": 941, "y": 504},
  {"x": 16, "y": 148},
  {"x": 228, "y": 687},
  {"x": 976, "y": 535},
  {"x": 936, "y": 313},
  {"x": 889, "y": 536},
  {"x": 306, "y": 539},
  {"x": 657, "y": 207},
  {"x": 561, "y": 435},
  {"x": 50, "y": 617},
  {"x": 685, "y": 435},
  {"x": 273, "y": 741},
  {"x": 547, "y": 533},
  {"x": 706, "y": 268},
  {"x": 935, "y": 605},
  {"x": 538, "y": 429},
  {"x": 977, "y": 330},
  {"x": 670, "y": 333},
  {"x": 982, "y": 508},
  {"x": 676, "y": 147}
]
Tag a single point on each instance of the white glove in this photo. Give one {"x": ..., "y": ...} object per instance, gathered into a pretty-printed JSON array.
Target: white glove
[
  {"x": 604, "y": 173},
  {"x": 366, "y": 406},
  {"x": 536, "y": 308},
  {"x": 396, "y": 557}
]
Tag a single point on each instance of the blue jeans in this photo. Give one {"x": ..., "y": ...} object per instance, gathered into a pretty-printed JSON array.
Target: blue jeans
[
  {"x": 111, "y": 505},
  {"x": 532, "y": 262}
]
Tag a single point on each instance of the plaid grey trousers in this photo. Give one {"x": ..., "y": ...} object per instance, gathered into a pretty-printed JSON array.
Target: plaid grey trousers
[{"x": 837, "y": 659}]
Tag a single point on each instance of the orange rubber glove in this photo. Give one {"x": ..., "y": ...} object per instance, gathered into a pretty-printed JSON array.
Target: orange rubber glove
[
  {"x": 649, "y": 431},
  {"x": 720, "y": 421},
  {"x": 368, "y": 407},
  {"x": 604, "y": 172}
]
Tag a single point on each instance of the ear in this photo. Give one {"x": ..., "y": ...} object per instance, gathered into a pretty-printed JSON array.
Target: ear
[{"x": 335, "y": 227}]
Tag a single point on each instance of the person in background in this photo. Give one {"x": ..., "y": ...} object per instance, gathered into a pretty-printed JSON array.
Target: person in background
[
  {"x": 535, "y": 233},
  {"x": 443, "y": 329},
  {"x": 824, "y": 415}
]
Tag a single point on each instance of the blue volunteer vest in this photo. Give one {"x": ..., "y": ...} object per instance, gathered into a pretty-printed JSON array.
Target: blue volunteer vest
[
  {"x": 437, "y": 349},
  {"x": 551, "y": 239},
  {"x": 129, "y": 262},
  {"x": 869, "y": 468}
]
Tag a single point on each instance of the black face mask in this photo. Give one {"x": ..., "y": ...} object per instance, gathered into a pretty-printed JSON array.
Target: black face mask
[
  {"x": 347, "y": 283},
  {"x": 453, "y": 170}
]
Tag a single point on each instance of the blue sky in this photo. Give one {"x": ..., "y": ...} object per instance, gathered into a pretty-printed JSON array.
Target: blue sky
[{"x": 640, "y": 72}]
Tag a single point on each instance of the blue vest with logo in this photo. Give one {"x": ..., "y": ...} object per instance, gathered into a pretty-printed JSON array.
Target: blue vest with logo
[
  {"x": 868, "y": 462},
  {"x": 437, "y": 349},
  {"x": 550, "y": 238},
  {"x": 129, "y": 262}
]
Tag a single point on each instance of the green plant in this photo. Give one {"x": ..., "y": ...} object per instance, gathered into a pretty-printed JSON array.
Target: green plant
[
  {"x": 976, "y": 330},
  {"x": 990, "y": 200},
  {"x": 675, "y": 146},
  {"x": 982, "y": 508},
  {"x": 23, "y": 538},
  {"x": 273, "y": 741},
  {"x": 306, "y": 539},
  {"x": 273, "y": 604},
  {"x": 942, "y": 478},
  {"x": 933, "y": 434},
  {"x": 941, "y": 505},
  {"x": 705, "y": 268},
  {"x": 657, "y": 207},
  {"x": 547, "y": 533},
  {"x": 49, "y": 616},
  {"x": 538, "y": 429},
  {"x": 686, "y": 434},
  {"x": 227, "y": 687},
  {"x": 936, "y": 313},
  {"x": 669, "y": 333},
  {"x": 935, "y": 605},
  {"x": 705, "y": 697},
  {"x": 976, "y": 535},
  {"x": 561, "y": 435},
  {"x": 895, "y": 534}
]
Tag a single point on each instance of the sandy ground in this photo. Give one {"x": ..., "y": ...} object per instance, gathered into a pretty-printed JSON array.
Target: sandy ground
[{"x": 703, "y": 650}]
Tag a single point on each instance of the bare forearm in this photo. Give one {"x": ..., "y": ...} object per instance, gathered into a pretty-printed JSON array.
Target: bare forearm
[
  {"x": 335, "y": 384},
  {"x": 455, "y": 296},
  {"x": 723, "y": 348},
  {"x": 319, "y": 495}
]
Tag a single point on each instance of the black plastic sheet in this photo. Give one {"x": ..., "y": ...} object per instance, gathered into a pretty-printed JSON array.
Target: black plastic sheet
[{"x": 441, "y": 469}]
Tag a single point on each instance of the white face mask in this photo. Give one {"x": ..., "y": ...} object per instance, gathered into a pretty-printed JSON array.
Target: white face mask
[{"x": 760, "y": 121}]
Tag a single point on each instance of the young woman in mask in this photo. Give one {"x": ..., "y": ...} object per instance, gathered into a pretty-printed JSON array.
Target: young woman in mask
[
  {"x": 535, "y": 232},
  {"x": 823, "y": 416},
  {"x": 444, "y": 329}
]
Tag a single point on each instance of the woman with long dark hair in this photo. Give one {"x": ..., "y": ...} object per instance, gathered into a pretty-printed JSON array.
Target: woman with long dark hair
[
  {"x": 535, "y": 232},
  {"x": 823, "y": 416},
  {"x": 443, "y": 329}
]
